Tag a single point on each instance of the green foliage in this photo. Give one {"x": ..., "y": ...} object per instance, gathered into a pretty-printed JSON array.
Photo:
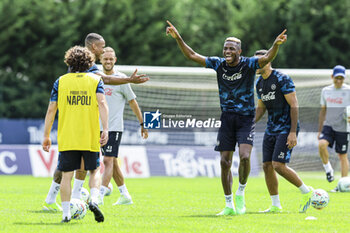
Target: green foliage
[{"x": 36, "y": 33}]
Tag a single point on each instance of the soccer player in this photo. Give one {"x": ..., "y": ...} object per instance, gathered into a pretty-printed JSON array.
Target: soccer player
[
  {"x": 79, "y": 97},
  {"x": 276, "y": 94},
  {"x": 332, "y": 123},
  {"x": 116, "y": 97},
  {"x": 235, "y": 76},
  {"x": 95, "y": 43}
]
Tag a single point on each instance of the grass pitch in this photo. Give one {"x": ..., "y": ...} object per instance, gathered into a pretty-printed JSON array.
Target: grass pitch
[{"x": 174, "y": 205}]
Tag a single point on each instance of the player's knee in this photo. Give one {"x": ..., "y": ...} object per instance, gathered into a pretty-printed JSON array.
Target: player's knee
[
  {"x": 267, "y": 166},
  {"x": 322, "y": 144},
  {"x": 80, "y": 174},
  {"x": 225, "y": 164},
  {"x": 108, "y": 163},
  {"x": 244, "y": 157},
  {"x": 278, "y": 167}
]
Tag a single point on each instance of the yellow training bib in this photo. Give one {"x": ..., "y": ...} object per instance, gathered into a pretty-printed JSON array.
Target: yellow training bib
[{"x": 78, "y": 114}]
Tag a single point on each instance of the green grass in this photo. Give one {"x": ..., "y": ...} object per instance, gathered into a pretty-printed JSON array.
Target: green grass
[{"x": 174, "y": 205}]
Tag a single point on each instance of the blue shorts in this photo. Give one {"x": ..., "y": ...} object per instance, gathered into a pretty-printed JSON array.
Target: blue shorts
[
  {"x": 112, "y": 147},
  {"x": 234, "y": 129},
  {"x": 341, "y": 139},
  {"x": 71, "y": 160},
  {"x": 275, "y": 148}
]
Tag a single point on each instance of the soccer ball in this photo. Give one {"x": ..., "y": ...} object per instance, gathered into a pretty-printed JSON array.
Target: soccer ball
[
  {"x": 85, "y": 195},
  {"x": 344, "y": 184},
  {"x": 78, "y": 209},
  {"x": 319, "y": 199},
  {"x": 110, "y": 189}
]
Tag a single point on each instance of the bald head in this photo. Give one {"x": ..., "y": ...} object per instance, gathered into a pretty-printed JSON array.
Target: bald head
[{"x": 95, "y": 43}]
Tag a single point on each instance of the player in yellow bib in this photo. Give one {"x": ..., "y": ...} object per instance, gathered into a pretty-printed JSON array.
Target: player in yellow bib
[{"x": 79, "y": 97}]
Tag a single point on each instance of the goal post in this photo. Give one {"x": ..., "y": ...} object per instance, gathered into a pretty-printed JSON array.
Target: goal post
[{"x": 194, "y": 91}]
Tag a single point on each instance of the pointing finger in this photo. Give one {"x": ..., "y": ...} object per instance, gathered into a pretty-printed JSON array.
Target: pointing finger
[
  {"x": 284, "y": 31},
  {"x": 169, "y": 23}
]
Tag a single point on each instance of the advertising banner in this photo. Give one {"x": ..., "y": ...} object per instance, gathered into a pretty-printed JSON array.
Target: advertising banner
[{"x": 14, "y": 160}]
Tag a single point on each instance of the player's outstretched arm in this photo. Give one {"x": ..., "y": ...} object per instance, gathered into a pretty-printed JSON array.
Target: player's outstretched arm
[
  {"x": 114, "y": 80},
  {"x": 136, "y": 109},
  {"x": 260, "y": 110},
  {"x": 271, "y": 54},
  {"x": 292, "y": 100},
  {"x": 103, "y": 109},
  {"x": 186, "y": 50},
  {"x": 49, "y": 119}
]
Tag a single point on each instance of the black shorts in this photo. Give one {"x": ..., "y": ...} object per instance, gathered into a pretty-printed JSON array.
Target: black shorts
[
  {"x": 112, "y": 146},
  {"x": 71, "y": 160},
  {"x": 275, "y": 148},
  {"x": 234, "y": 129},
  {"x": 341, "y": 139}
]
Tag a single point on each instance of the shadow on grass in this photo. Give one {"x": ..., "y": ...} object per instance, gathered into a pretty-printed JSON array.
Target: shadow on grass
[
  {"x": 199, "y": 216},
  {"x": 214, "y": 215},
  {"x": 43, "y": 223},
  {"x": 42, "y": 212}
]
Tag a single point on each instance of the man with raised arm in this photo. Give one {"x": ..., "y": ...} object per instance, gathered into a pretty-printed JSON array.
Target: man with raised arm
[{"x": 235, "y": 76}]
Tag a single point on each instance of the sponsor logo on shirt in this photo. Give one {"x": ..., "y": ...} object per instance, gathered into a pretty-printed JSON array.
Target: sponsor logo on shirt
[
  {"x": 233, "y": 77},
  {"x": 337, "y": 100},
  {"x": 268, "y": 96},
  {"x": 108, "y": 91}
]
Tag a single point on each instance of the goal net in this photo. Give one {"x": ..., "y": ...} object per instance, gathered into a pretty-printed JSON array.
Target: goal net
[{"x": 182, "y": 92}]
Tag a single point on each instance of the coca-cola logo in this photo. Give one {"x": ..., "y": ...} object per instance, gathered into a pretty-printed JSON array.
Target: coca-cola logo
[
  {"x": 108, "y": 91},
  {"x": 268, "y": 96},
  {"x": 337, "y": 100}
]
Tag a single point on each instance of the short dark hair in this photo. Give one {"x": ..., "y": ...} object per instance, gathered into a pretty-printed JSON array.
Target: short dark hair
[
  {"x": 260, "y": 52},
  {"x": 79, "y": 59},
  {"x": 92, "y": 38}
]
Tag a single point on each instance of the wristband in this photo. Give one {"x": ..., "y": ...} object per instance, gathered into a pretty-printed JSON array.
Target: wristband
[{"x": 141, "y": 124}]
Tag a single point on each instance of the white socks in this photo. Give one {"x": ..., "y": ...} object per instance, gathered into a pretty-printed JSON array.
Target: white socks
[
  {"x": 124, "y": 191},
  {"x": 66, "y": 209},
  {"x": 276, "y": 200},
  {"x": 76, "y": 191},
  {"x": 51, "y": 196},
  {"x": 304, "y": 189},
  {"x": 103, "y": 191},
  {"x": 240, "y": 190},
  {"x": 229, "y": 201},
  {"x": 328, "y": 167},
  {"x": 94, "y": 193}
]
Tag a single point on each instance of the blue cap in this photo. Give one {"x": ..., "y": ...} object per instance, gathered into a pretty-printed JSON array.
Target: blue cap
[{"x": 339, "y": 71}]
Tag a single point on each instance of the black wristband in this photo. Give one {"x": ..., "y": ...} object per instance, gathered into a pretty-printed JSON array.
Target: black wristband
[{"x": 141, "y": 124}]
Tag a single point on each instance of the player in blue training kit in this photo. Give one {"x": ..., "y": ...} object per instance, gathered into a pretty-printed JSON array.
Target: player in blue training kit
[
  {"x": 235, "y": 75},
  {"x": 276, "y": 94}
]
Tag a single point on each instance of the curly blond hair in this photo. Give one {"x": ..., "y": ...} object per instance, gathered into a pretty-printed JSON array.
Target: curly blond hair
[{"x": 79, "y": 59}]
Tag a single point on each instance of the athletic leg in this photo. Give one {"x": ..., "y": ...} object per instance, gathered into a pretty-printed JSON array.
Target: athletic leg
[
  {"x": 344, "y": 164},
  {"x": 125, "y": 198},
  {"x": 50, "y": 203},
  {"x": 66, "y": 193},
  {"x": 79, "y": 179}
]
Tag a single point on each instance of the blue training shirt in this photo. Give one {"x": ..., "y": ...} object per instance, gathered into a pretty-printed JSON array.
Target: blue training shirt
[
  {"x": 271, "y": 91},
  {"x": 236, "y": 84}
]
